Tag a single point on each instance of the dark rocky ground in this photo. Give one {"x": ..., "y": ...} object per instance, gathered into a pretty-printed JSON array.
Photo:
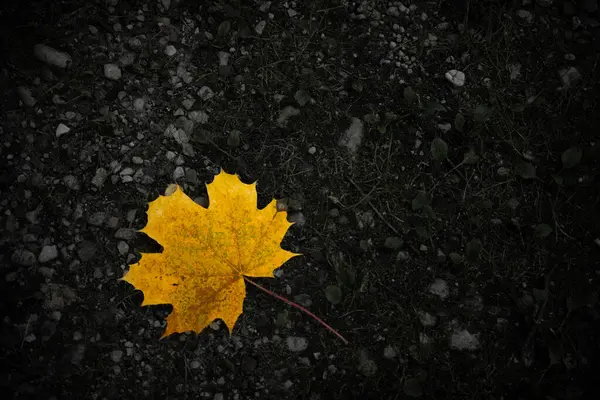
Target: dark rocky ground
[{"x": 461, "y": 222}]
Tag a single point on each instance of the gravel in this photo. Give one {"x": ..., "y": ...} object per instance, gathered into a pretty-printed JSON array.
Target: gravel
[{"x": 163, "y": 92}]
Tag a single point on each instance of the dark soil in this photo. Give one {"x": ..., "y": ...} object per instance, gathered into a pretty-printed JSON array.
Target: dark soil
[{"x": 461, "y": 222}]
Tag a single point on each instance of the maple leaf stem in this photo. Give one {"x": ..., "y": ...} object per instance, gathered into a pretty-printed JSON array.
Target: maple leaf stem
[{"x": 299, "y": 307}]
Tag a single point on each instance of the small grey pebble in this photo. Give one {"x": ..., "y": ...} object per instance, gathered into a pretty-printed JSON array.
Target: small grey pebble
[
  {"x": 112, "y": 222},
  {"x": 11, "y": 276},
  {"x": 48, "y": 253},
  {"x": 125, "y": 233},
  {"x": 116, "y": 356},
  {"x": 393, "y": 242},
  {"x": 303, "y": 300},
  {"x": 201, "y": 201},
  {"x": 46, "y": 272},
  {"x": 112, "y": 72},
  {"x": 123, "y": 248},
  {"x": 296, "y": 344},
  {"x": 297, "y": 217}
]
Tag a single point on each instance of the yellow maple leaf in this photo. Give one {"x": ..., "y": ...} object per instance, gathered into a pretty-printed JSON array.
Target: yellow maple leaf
[{"x": 207, "y": 253}]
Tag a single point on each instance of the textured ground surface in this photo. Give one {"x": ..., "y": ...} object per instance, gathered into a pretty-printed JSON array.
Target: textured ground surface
[{"x": 460, "y": 220}]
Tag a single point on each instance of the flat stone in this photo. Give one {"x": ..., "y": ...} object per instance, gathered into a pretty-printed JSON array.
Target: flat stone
[
  {"x": 123, "y": 248},
  {"x": 393, "y": 12},
  {"x": 46, "y": 272},
  {"x": 366, "y": 365},
  {"x": 11, "y": 276},
  {"x": 51, "y": 56},
  {"x": 125, "y": 234},
  {"x": 191, "y": 176},
  {"x": 61, "y": 129},
  {"x": 71, "y": 182},
  {"x": 188, "y": 104},
  {"x": 48, "y": 254},
  {"x": 223, "y": 58},
  {"x": 97, "y": 218},
  {"x": 206, "y": 93},
  {"x": 352, "y": 138},
  {"x": 26, "y": 96},
  {"x": 440, "y": 288},
  {"x": 456, "y": 77},
  {"x": 24, "y": 257},
  {"x": 427, "y": 319},
  {"x": 393, "y": 242},
  {"x": 78, "y": 353},
  {"x": 389, "y": 352},
  {"x": 100, "y": 177},
  {"x": 260, "y": 27},
  {"x": 285, "y": 114},
  {"x": 58, "y": 296},
  {"x": 116, "y": 356},
  {"x": 178, "y": 173},
  {"x": 127, "y": 59},
  {"x": 138, "y": 104},
  {"x": 464, "y": 340},
  {"x": 188, "y": 149},
  {"x": 303, "y": 300},
  {"x": 170, "y": 50},
  {"x": 296, "y": 344},
  {"x": 569, "y": 76},
  {"x": 86, "y": 251},
  {"x": 112, "y": 72},
  {"x": 525, "y": 17},
  {"x": 249, "y": 364}
]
